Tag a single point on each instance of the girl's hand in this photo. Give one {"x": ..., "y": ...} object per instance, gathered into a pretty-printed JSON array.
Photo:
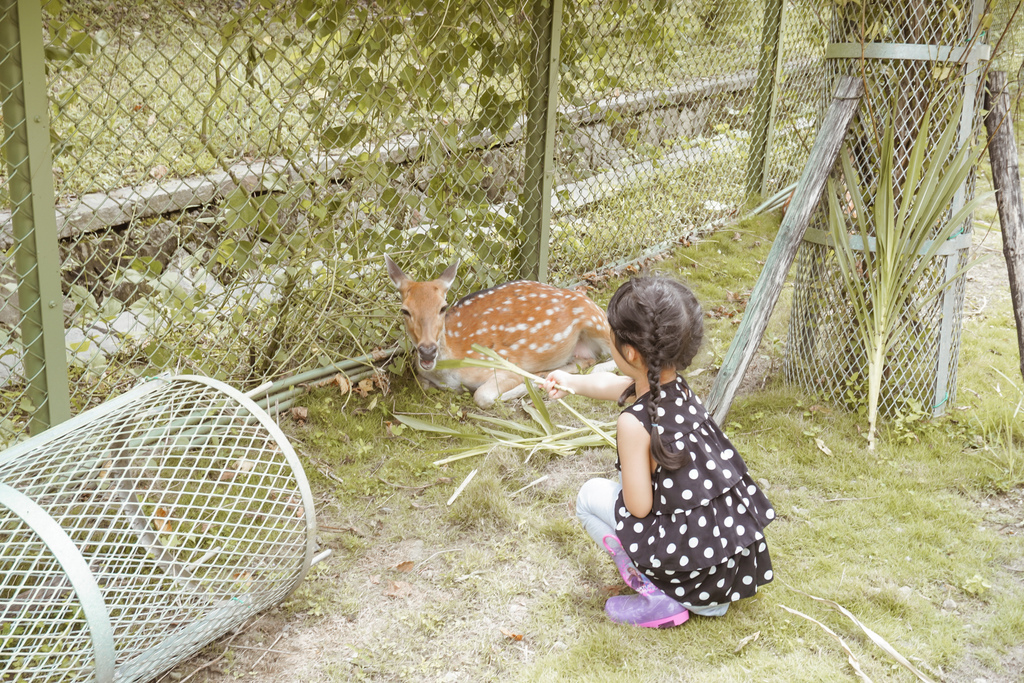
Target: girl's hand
[{"x": 556, "y": 377}]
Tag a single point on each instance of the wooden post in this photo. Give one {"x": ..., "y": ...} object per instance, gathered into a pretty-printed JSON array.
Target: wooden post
[
  {"x": 769, "y": 284},
  {"x": 1002, "y": 156}
]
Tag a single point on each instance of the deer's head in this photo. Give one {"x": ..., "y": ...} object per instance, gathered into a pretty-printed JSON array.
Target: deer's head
[{"x": 423, "y": 308}]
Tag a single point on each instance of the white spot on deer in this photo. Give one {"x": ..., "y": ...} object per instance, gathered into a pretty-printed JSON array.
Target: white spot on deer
[
  {"x": 521, "y": 326},
  {"x": 532, "y": 347},
  {"x": 530, "y": 319},
  {"x": 546, "y": 347},
  {"x": 549, "y": 312},
  {"x": 577, "y": 310},
  {"x": 458, "y": 324}
]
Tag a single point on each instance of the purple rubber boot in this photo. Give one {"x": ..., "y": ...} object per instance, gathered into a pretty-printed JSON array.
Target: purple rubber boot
[{"x": 650, "y": 607}]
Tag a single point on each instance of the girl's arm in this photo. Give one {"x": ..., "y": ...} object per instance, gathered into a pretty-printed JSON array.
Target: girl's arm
[
  {"x": 634, "y": 444},
  {"x": 602, "y": 385}
]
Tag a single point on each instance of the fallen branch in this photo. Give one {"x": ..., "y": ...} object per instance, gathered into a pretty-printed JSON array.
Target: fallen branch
[
  {"x": 875, "y": 638},
  {"x": 532, "y": 483},
  {"x": 252, "y": 669},
  {"x": 462, "y": 486},
  {"x": 842, "y": 643}
]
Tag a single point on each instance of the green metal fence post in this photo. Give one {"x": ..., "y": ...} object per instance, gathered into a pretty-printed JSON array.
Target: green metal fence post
[
  {"x": 30, "y": 167},
  {"x": 767, "y": 93},
  {"x": 541, "y": 115}
]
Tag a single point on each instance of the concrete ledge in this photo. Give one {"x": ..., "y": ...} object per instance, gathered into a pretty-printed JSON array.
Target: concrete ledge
[{"x": 98, "y": 211}]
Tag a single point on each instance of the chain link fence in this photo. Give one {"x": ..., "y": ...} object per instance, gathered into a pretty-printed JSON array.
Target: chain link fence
[
  {"x": 919, "y": 55},
  {"x": 228, "y": 176}
]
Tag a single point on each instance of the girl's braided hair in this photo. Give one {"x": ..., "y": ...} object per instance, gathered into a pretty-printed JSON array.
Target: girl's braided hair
[{"x": 661, "y": 319}]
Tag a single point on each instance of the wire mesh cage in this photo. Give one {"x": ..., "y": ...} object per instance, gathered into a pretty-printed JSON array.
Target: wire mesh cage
[
  {"x": 911, "y": 55},
  {"x": 137, "y": 532}
]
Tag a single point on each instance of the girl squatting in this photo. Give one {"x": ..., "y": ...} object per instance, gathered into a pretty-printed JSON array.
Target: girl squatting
[{"x": 685, "y": 526}]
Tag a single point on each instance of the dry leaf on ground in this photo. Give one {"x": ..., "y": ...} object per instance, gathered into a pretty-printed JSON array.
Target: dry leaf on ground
[
  {"x": 398, "y": 589},
  {"x": 746, "y": 641}
]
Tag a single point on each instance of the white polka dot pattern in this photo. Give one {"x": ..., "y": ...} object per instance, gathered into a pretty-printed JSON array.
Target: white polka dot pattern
[{"x": 707, "y": 515}]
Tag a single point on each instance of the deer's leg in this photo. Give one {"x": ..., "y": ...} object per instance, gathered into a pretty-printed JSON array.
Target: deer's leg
[
  {"x": 515, "y": 392},
  {"x": 501, "y": 385},
  {"x": 583, "y": 354}
]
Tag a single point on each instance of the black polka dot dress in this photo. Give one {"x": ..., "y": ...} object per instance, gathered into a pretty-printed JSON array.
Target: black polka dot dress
[{"x": 703, "y": 541}]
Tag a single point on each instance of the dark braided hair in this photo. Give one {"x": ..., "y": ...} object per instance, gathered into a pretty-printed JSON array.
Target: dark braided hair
[{"x": 661, "y": 319}]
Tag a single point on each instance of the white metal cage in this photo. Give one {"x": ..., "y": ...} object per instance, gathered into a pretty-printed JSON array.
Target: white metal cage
[{"x": 137, "y": 532}]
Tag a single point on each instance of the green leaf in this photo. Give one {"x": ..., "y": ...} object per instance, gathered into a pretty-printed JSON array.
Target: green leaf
[
  {"x": 147, "y": 265},
  {"x": 881, "y": 286},
  {"x": 53, "y": 7},
  {"x": 237, "y": 198},
  {"x": 345, "y": 136},
  {"x": 424, "y": 426},
  {"x": 539, "y": 410},
  {"x": 57, "y": 54},
  {"x": 158, "y": 354},
  {"x": 507, "y": 424}
]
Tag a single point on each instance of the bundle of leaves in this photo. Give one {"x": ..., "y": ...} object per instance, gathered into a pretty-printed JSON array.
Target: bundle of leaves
[{"x": 544, "y": 434}]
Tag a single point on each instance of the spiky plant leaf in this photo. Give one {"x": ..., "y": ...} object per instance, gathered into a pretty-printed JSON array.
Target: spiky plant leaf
[{"x": 882, "y": 283}]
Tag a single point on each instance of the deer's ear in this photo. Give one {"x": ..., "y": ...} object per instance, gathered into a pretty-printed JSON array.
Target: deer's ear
[
  {"x": 448, "y": 276},
  {"x": 395, "y": 273}
]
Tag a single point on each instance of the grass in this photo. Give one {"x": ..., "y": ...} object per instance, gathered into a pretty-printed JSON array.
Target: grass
[{"x": 918, "y": 540}]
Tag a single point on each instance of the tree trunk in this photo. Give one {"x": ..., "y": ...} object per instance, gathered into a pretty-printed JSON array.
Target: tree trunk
[{"x": 1002, "y": 153}]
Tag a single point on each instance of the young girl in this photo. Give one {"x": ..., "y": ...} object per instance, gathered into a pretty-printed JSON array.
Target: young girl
[{"x": 687, "y": 514}]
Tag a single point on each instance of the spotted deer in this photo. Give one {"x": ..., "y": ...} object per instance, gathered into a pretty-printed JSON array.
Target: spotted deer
[{"x": 533, "y": 325}]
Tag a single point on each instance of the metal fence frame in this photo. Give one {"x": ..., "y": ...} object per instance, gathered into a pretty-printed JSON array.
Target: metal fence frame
[{"x": 27, "y": 148}]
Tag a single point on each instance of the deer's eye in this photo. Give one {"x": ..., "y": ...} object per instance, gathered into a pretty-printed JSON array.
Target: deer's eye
[
  {"x": 406, "y": 313},
  {"x": 443, "y": 309}
]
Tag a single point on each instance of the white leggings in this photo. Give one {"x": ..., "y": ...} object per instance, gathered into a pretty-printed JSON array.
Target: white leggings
[{"x": 595, "y": 508}]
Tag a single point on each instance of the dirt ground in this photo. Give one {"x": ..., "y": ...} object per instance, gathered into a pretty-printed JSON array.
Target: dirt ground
[{"x": 283, "y": 646}]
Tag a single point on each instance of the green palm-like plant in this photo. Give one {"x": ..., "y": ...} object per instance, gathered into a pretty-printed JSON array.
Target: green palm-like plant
[{"x": 882, "y": 284}]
